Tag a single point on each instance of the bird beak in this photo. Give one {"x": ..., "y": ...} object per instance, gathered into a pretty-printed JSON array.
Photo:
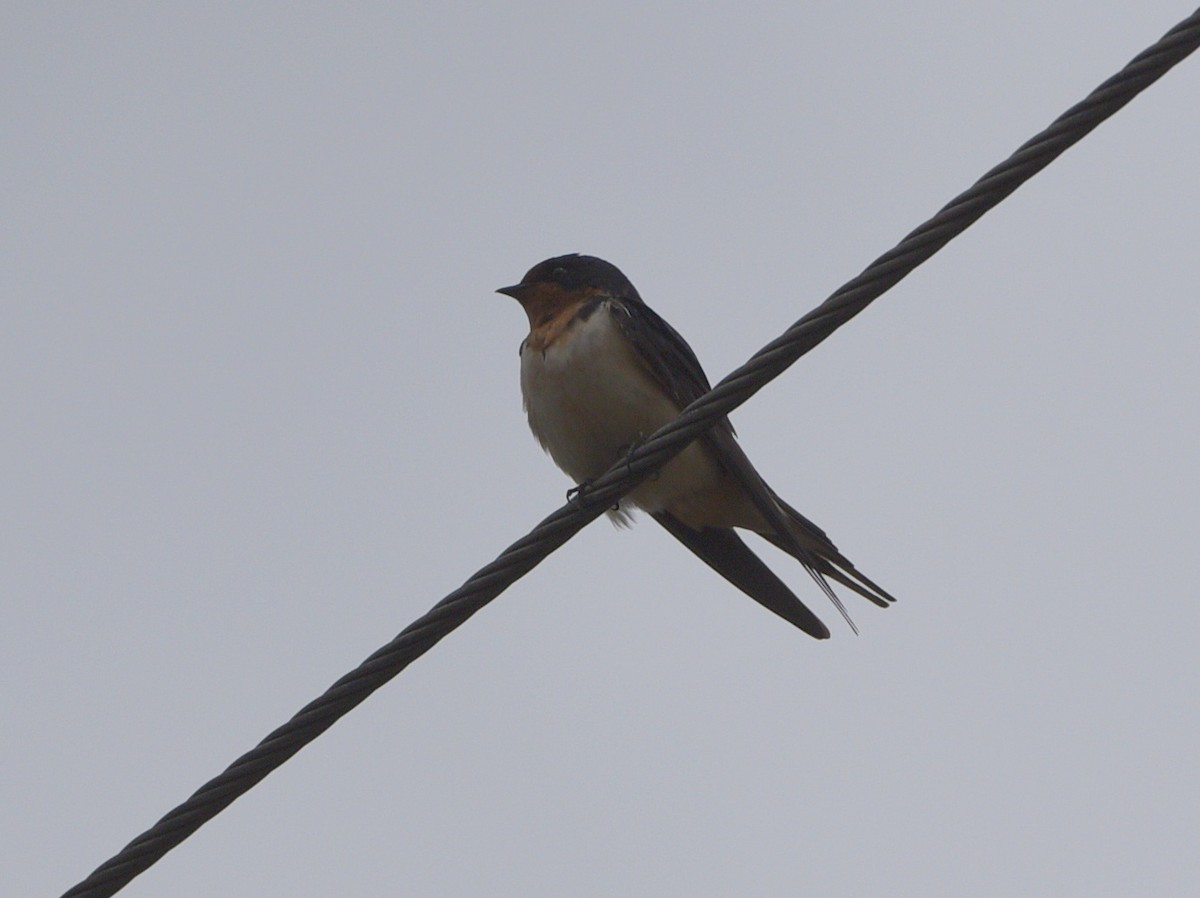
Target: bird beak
[{"x": 514, "y": 291}]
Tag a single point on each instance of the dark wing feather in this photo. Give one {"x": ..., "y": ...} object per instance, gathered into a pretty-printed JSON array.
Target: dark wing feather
[
  {"x": 724, "y": 551},
  {"x": 674, "y": 365},
  {"x": 794, "y": 533},
  {"x": 664, "y": 352}
]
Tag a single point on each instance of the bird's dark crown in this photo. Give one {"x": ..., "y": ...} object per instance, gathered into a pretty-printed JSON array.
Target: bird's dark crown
[{"x": 578, "y": 272}]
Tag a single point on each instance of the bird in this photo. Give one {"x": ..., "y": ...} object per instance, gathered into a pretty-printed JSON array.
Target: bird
[{"x": 600, "y": 372}]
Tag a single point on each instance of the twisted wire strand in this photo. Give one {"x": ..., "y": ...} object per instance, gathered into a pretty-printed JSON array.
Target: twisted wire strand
[{"x": 527, "y": 552}]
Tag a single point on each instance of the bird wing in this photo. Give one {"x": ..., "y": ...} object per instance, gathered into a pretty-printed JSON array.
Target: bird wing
[
  {"x": 674, "y": 366},
  {"x": 664, "y": 352},
  {"x": 723, "y": 550}
]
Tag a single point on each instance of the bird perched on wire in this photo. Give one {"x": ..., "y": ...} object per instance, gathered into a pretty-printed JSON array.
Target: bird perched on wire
[{"x": 601, "y": 371}]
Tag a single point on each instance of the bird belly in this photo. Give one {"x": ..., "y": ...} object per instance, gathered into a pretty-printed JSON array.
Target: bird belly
[{"x": 590, "y": 399}]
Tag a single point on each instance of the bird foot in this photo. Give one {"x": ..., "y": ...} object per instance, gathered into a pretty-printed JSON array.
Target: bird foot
[
  {"x": 577, "y": 495},
  {"x": 627, "y": 452}
]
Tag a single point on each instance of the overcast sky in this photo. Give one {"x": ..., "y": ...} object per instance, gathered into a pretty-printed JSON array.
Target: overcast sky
[{"x": 261, "y": 411}]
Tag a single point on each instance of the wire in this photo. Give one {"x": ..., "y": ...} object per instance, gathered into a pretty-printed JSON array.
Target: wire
[{"x": 523, "y": 555}]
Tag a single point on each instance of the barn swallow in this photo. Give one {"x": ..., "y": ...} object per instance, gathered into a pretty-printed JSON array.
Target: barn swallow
[{"x": 600, "y": 372}]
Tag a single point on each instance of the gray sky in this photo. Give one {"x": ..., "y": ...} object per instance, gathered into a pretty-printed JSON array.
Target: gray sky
[{"x": 262, "y": 412}]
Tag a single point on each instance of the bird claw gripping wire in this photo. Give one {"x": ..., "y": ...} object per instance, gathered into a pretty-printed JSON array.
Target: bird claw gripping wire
[
  {"x": 628, "y": 451},
  {"x": 577, "y": 495}
]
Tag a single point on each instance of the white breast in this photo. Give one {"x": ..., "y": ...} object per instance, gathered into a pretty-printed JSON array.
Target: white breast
[{"x": 589, "y": 399}]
